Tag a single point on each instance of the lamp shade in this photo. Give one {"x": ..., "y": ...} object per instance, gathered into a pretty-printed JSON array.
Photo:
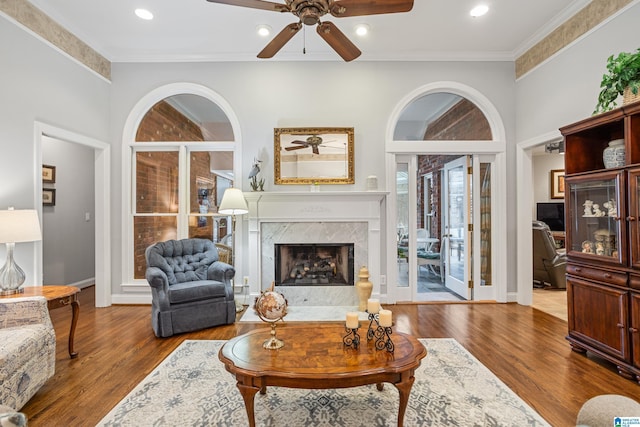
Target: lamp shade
[
  {"x": 233, "y": 202},
  {"x": 19, "y": 226}
]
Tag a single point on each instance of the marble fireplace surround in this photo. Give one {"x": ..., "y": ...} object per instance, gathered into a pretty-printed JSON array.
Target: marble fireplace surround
[{"x": 314, "y": 217}]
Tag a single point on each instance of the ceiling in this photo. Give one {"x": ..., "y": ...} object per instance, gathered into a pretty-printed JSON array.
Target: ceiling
[{"x": 197, "y": 30}]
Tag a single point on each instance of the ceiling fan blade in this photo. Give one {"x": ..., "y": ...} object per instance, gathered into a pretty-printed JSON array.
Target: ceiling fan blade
[
  {"x": 255, "y": 4},
  {"x": 338, "y": 41},
  {"x": 280, "y": 40},
  {"x": 297, "y": 141},
  {"x": 344, "y": 8},
  {"x": 295, "y": 148},
  {"x": 315, "y": 149}
]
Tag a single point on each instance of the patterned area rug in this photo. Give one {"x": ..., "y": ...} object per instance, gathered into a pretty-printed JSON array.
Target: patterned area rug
[{"x": 192, "y": 388}]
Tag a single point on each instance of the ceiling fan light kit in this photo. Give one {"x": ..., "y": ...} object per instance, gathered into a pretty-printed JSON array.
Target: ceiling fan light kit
[{"x": 309, "y": 12}]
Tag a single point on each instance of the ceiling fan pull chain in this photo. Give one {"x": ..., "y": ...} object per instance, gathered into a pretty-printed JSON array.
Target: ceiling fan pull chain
[{"x": 304, "y": 40}]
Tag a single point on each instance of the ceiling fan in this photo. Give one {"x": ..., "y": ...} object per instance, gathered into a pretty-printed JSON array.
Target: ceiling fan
[
  {"x": 314, "y": 141},
  {"x": 309, "y": 13}
]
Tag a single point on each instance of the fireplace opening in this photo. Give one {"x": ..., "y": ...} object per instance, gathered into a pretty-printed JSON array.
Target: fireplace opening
[{"x": 326, "y": 264}]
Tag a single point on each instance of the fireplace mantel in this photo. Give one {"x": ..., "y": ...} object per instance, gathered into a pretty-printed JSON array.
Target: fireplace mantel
[{"x": 315, "y": 208}]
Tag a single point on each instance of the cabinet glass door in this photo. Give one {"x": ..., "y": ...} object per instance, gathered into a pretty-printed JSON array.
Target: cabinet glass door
[
  {"x": 633, "y": 218},
  {"x": 595, "y": 228}
]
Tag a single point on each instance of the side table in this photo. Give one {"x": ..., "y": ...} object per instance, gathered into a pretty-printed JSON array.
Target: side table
[{"x": 57, "y": 296}]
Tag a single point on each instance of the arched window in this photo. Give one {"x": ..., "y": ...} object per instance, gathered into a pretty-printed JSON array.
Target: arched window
[
  {"x": 182, "y": 161},
  {"x": 442, "y": 116}
]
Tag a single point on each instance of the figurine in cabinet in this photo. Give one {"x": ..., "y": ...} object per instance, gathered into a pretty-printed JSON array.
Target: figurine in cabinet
[
  {"x": 612, "y": 210},
  {"x": 588, "y": 208},
  {"x": 587, "y": 247},
  {"x": 600, "y": 248},
  {"x": 597, "y": 211}
]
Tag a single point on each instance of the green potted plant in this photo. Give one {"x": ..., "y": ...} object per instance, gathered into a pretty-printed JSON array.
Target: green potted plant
[{"x": 623, "y": 71}]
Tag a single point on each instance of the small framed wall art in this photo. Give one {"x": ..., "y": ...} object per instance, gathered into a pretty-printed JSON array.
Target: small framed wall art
[
  {"x": 48, "y": 197},
  {"x": 556, "y": 178},
  {"x": 48, "y": 174}
]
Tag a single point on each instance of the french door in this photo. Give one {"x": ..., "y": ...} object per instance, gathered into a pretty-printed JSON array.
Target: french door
[
  {"x": 459, "y": 222},
  {"x": 456, "y": 225}
]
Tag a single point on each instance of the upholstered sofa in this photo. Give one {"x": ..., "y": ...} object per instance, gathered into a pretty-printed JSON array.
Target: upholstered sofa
[
  {"x": 27, "y": 349},
  {"x": 190, "y": 288}
]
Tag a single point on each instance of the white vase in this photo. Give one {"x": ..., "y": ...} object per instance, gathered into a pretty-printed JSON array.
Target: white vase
[{"x": 614, "y": 155}]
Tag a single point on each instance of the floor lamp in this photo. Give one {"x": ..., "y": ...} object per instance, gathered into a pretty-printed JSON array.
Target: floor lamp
[
  {"x": 16, "y": 226},
  {"x": 233, "y": 203}
]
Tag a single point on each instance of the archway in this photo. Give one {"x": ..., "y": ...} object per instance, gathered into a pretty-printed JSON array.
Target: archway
[{"x": 486, "y": 143}]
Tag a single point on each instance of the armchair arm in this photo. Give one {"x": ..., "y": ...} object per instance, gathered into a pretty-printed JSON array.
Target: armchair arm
[
  {"x": 159, "y": 283},
  {"x": 24, "y": 311},
  {"x": 222, "y": 272},
  {"x": 157, "y": 278}
]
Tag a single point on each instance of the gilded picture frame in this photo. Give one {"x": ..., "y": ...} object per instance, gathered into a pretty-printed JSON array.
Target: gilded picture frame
[
  {"x": 556, "y": 177},
  {"x": 314, "y": 155}
]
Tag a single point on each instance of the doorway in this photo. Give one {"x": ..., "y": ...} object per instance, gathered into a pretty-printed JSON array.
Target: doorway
[
  {"x": 102, "y": 205},
  {"x": 446, "y": 120},
  {"x": 436, "y": 241}
]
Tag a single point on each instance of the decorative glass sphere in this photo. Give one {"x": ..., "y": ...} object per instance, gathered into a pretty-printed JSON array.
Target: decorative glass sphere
[{"x": 271, "y": 306}]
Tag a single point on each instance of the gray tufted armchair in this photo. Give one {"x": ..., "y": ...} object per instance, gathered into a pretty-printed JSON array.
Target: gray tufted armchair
[{"x": 191, "y": 289}]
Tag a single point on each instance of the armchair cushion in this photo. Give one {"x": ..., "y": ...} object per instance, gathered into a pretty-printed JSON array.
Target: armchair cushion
[{"x": 196, "y": 291}]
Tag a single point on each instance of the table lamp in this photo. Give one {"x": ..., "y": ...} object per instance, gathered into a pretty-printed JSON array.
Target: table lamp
[
  {"x": 16, "y": 226},
  {"x": 233, "y": 203}
]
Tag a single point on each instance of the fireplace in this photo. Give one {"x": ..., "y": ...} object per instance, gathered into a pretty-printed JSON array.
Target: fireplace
[
  {"x": 325, "y": 264},
  {"x": 320, "y": 218}
]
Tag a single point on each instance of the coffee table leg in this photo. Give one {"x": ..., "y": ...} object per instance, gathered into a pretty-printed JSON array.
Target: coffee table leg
[
  {"x": 404, "y": 389},
  {"x": 75, "y": 311},
  {"x": 248, "y": 393}
]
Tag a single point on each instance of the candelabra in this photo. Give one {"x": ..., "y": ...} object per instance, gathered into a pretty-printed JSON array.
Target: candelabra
[
  {"x": 383, "y": 338},
  {"x": 351, "y": 339},
  {"x": 373, "y": 318}
]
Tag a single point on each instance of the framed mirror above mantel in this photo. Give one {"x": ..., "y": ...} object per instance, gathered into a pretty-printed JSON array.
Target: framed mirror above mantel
[{"x": 314, "y": 156}]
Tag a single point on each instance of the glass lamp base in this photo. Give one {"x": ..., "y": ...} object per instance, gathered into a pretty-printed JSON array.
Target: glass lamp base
[{"x": 11, "y": 275}]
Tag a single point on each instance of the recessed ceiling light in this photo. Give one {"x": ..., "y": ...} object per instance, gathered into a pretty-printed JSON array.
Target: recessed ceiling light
[
  {"x": 263, "y": 30},
  {"x": 479, "y": 10},
  {"x": 144, "y": 14},
  {"x": 362, "y": 29}
]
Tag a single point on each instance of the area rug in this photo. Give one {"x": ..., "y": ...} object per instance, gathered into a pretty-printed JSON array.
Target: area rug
[{"x": 452, "y": 388}]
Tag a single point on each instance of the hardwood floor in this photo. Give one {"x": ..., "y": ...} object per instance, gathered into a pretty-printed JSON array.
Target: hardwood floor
[
  {"x": 552, "y": 301},
  {"x": 523, "y": 346}
]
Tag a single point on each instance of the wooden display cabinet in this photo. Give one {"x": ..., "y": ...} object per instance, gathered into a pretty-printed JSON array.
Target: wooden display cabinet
[{"x": 603, "y": 241}]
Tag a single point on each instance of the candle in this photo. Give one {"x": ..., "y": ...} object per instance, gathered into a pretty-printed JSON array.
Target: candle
[
  {"x": 352, "y": 320},
  {"x": 385, "y": 318},
  {"x": 373, "y": 306}
]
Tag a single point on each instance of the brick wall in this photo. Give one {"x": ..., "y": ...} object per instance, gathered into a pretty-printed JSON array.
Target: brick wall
[
  {"x": 463, "y": 122},
  {"x": 164, "y": 123}
]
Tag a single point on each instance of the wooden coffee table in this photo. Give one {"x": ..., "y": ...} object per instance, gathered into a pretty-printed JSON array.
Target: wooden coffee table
[
  {"x": 313, "y": 357},
  {"x": 57, "y": 296}
]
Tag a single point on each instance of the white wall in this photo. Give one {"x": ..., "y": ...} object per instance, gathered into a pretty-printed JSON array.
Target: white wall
[
  {"x": 542, "y": 165},
  {"x": 68, "y": 235},
  {"x": 565, "y": 89},
  {"x": 270, "y": 94},
  {"x": 37, "y": 83}
]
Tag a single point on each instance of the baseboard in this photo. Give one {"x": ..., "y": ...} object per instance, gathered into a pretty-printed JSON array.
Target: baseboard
[
  {"x": 127, "y": 299},
  {"x": 83, "y": 283}
]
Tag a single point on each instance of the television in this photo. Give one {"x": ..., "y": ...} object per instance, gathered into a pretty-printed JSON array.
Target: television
[{"x": 552, "y": 214}]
